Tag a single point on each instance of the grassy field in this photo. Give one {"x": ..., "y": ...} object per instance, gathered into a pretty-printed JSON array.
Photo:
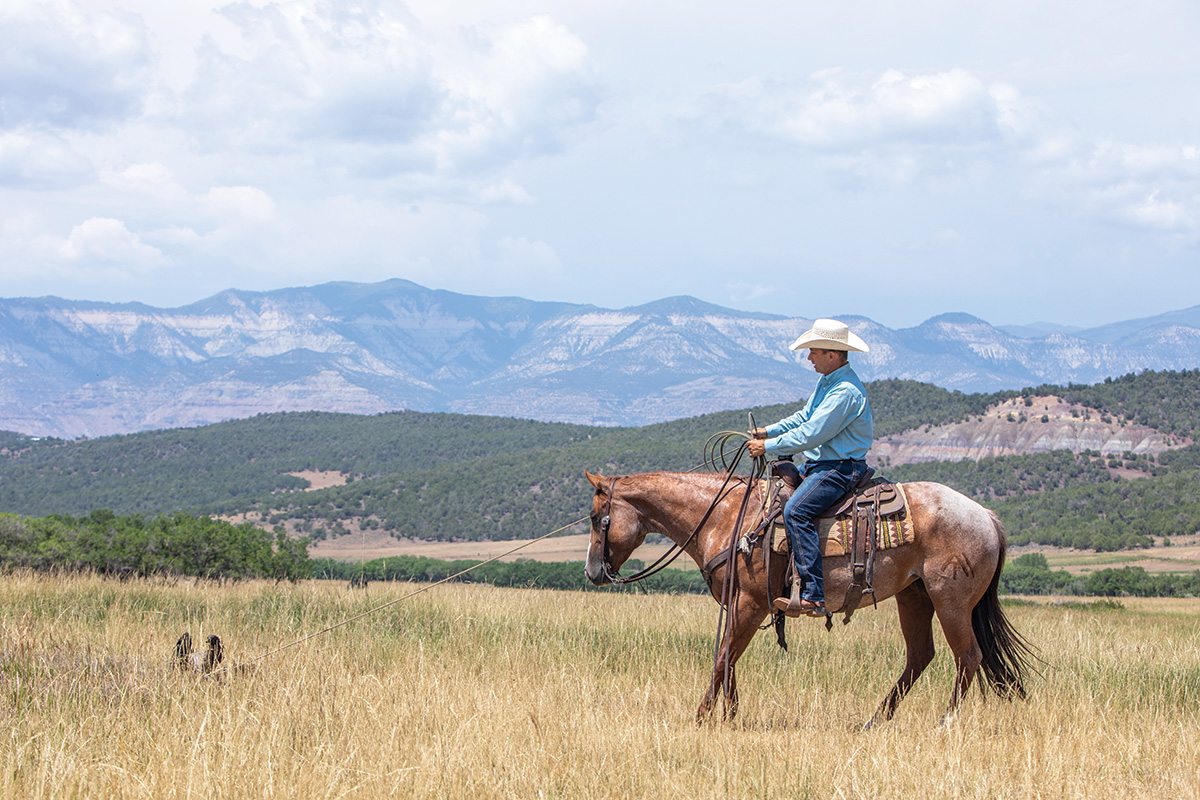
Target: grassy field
[
  {"x": 1182, "y": 556},
  {"x": 473, "y": 691}
]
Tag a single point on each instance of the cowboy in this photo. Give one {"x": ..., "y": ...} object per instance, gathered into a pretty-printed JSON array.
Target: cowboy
[{"x": 834, "y": 430}]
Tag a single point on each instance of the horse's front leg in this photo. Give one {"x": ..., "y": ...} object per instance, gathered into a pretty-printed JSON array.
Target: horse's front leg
[{"x": 746, "y": 615}]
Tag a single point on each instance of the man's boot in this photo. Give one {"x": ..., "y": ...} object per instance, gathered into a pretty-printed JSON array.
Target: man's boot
[{"x": 790, "y": 606}]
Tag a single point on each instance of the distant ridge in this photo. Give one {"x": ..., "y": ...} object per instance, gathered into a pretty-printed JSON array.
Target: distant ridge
[
  {"x": 1036, "y": 330},
  {"x": 1134, "y": 331},
  {"x": 70, "y": 368},
  {"x": 686, "y": 304}
]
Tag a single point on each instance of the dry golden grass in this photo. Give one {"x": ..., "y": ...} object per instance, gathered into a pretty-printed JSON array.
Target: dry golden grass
[{"x": 472, "y": 691}]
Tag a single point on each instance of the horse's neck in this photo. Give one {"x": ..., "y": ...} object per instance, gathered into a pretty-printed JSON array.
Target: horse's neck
[{"x": 675, "y": 504}]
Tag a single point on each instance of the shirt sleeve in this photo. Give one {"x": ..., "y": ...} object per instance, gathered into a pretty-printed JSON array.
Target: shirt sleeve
[
  {"x": 841, "y": 405},
  {"x": 792, "y": 422}
]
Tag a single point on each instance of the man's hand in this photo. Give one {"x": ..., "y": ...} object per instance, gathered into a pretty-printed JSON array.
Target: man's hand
[
  {"x": 757, "y": 447},
  {"x": 758, "y": 433}
]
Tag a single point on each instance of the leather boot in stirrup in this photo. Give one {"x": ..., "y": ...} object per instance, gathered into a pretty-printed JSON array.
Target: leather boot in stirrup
[{"x": 790, "y": 606}]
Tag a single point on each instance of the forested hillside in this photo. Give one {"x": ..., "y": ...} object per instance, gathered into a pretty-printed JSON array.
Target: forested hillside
[
  {"x": 443, "y": 476},
  {"x": 1167, "y": 401},
  {"x": 1076, "y": 500},
  {"x": 233, "y": 465},
  {"x": 199, "y": 469}
]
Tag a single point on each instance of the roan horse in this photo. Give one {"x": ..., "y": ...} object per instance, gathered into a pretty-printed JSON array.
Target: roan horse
[{"x": 952, "y": 568}]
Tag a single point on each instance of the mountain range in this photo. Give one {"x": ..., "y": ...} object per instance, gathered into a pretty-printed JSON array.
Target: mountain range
[{"x": 77, "y": 368}]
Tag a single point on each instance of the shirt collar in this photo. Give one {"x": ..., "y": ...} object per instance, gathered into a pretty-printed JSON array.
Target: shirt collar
[{"x": 837, "y": 374}]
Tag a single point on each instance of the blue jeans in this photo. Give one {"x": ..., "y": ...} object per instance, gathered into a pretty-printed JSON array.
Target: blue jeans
[{"x": 825, "y": 482}]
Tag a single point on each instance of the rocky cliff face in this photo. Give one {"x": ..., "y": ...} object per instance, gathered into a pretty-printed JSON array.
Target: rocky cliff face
[
  {"x": 1013, "y": 428},
  {"x": 72, "y": 368}
]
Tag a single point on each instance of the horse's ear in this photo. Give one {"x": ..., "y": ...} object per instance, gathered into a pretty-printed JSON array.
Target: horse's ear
[{"x": 596, "y": 480}]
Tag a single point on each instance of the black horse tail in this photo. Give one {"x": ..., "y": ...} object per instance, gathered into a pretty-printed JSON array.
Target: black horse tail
[{"x": 1007, "y": 656}]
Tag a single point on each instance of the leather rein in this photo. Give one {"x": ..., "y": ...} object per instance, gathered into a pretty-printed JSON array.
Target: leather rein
[
  {"x": 666, "y": 558},
  {"x": 677, "y": 548}
]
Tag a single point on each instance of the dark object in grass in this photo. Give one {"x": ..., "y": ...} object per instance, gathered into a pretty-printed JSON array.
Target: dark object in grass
[{"x": 204, "y": 662}]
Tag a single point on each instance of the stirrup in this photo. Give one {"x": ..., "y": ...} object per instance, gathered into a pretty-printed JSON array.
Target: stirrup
[
  {"x": 790, "y": 606},
  {"x": 783, "y": 604}
]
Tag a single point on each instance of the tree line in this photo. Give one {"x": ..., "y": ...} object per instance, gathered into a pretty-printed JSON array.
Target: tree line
[
  {"x": 1029, "y": 574},
  {"x": 173, "y": 545}
]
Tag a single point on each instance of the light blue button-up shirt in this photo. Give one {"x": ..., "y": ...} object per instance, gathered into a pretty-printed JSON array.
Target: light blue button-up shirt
[{"x": 835, "y": 423}]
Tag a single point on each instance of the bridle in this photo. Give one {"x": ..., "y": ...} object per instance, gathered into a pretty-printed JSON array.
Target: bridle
[{"x": 614, "y": 576}]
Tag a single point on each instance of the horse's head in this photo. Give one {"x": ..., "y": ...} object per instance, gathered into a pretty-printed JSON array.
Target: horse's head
[{"x": 616, "y": 532}]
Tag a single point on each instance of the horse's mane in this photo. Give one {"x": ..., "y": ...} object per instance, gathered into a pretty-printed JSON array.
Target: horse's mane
[
  {"x": 713, "y": 480},
  {"x": 716, "y": 477}
]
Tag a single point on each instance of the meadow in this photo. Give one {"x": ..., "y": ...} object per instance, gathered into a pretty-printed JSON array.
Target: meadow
[{"x": 476, "y": 691}]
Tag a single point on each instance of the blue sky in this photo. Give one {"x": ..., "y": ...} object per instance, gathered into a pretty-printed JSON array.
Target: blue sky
[{"x": 1020, "y": 161}]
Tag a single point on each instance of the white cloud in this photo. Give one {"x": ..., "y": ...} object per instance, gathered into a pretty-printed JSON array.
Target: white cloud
[
  {"x": 307, "y": 69},
  {"x": 1151, "y": 187},
  {"x": 519, "y": 90},
  {"x": 898, "y": 129},
  {"x": 99, "y": 255},
  {"x": 64, "y": 67},
  {"x": 1157, "y": 213},
  {"x": 238, "y": 205},
  {"x": 378, "y": 95},
  {"x": 889, "y": 127},
  {"x": 503, "y": 191},
  {"x": 452, "y": 141},
  {"x": 107, "y": 242},
  {"x": 150, "y": 179},
  {"x": 40, "y": 161},
  {"x": 947, "y": 108},
  {"x": 836, "y": 112}
]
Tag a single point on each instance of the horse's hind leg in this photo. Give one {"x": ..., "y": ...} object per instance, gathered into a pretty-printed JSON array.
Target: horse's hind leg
[
  {"x": 968, "y": 656},
  {"x": 916, "y": 622}
]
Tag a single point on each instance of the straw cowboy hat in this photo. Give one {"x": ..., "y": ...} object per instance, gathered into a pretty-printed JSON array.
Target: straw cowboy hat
[{"x": 829, "y": 334}]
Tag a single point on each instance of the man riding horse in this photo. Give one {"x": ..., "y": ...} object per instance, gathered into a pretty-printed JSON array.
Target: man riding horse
[
  {"x": 947, "y": 566},
  {"x": 833, "y": 431}
]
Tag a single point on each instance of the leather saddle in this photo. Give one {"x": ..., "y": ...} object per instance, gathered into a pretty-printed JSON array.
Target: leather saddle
[
  {"x": 865, "y": 505},
  {"x": 865, "y": 493}
]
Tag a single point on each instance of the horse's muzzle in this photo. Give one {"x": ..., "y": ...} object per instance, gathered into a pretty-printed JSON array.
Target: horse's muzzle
[{"x": 596, "y": 573}]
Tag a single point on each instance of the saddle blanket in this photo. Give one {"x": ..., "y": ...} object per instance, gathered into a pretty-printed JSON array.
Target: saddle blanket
[{"x": 836, "y": 532}]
